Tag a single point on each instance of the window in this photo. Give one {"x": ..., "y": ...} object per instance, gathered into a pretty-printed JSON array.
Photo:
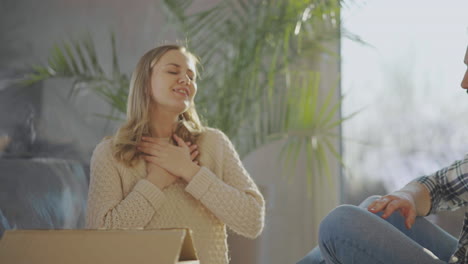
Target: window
[{"x": 407, "y": 81}]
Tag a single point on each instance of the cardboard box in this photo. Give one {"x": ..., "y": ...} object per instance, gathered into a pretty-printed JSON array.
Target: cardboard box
[{"x": 162, "y": 246}]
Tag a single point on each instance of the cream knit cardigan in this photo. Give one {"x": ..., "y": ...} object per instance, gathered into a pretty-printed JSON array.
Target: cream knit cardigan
[{"x": 221, "y": 193}]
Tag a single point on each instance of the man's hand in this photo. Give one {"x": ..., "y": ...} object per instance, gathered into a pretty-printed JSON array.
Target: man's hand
[{"x": 399, "y": 200}]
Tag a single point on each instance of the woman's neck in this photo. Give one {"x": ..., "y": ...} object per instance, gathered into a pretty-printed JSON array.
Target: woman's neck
[{"x": 163, "y": 123}]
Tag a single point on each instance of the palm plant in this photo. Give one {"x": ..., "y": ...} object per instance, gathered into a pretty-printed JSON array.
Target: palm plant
[
  {"x": 255, "y": 87},
  {"x": 259, "y": 90},
  {"x": 78, "y": 60}
]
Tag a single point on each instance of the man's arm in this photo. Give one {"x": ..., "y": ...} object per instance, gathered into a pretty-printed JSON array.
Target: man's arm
[{"x": 445, "y": 189}]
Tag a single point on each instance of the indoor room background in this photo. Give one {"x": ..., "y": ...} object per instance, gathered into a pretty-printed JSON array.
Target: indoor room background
[{"x": 301, "y": 88}]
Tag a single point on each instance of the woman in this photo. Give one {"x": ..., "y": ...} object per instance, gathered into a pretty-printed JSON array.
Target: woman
[{"x": 163, "y": 169}]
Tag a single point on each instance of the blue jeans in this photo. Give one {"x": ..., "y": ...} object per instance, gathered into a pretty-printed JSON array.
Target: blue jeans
[{"x": 351, "y": 234}]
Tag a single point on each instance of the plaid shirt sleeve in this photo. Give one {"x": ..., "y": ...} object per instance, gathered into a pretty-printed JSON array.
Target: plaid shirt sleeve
[{"x": 448, "y": 189}]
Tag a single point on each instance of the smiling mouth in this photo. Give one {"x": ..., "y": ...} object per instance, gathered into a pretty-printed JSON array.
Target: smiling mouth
[{"x": 181, "y": 91}]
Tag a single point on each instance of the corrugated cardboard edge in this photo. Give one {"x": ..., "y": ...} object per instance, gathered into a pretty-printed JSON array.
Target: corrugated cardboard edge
[
  {"x": 185, "y": 249},
  {"x": 188, "y": 251}
]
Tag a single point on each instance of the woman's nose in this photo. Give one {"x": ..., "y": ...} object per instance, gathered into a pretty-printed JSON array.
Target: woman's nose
[{"x": 184, "y": 79}]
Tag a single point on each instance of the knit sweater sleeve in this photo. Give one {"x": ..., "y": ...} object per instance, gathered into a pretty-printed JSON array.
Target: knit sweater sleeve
[
  {"x": 107, "y": 207},
  {"x": 233, "y": 196}
]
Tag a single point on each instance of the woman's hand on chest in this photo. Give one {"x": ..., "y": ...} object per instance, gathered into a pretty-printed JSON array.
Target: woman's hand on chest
[{"x": 179, "y": 161}]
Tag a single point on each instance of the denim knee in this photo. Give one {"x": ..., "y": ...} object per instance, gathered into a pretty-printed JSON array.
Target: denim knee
[
  {"x": 343, "y": 221},
  {"x": 336, "y": 227}
]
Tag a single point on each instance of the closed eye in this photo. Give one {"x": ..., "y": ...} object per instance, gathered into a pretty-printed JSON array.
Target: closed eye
[{"x": 175, "y": 73}]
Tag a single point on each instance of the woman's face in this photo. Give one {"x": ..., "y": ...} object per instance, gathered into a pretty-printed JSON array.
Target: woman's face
[{"x": 173, "y": 82}]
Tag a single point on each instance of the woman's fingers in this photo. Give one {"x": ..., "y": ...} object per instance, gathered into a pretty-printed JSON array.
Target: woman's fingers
[
  {"x": 148, "y": 151},
  {"x": 194, "y": 152},
  {"x": 194, "y": 155},
  {"x": 150, "y": 148},
  {"x": 150, "y": 145},
  {"x": 152, "y": 159},
  {"x": 159, "y": 141},
  {"x": 193, "y": 148},
  {"x": 179, "y": 141}
]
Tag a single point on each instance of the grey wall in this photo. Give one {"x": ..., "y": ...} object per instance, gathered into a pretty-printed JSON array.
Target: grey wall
[{"x": 30, "y": 28}]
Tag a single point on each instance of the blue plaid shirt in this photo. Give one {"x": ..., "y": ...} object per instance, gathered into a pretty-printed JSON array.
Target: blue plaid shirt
[{"x": 448, "y": 188}]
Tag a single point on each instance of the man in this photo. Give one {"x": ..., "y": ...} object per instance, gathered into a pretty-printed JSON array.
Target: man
[{"x": 374, "y": 233}]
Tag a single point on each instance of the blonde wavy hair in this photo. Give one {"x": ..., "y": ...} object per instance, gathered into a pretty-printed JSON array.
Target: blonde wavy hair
[{"x": 137, "y": 123}]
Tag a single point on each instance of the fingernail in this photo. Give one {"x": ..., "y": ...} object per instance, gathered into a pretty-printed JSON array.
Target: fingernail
[{"x": 373, "y": 209}]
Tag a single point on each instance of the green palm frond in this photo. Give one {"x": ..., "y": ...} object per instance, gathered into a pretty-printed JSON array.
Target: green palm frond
[
  {"x": 78, "y": 60},
  {"x": 304, "y": 123}
]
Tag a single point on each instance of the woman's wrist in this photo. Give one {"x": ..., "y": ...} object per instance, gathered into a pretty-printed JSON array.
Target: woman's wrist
[
  {"x": 158, "y": 182},
  {"x": 190, "y": 171}
]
